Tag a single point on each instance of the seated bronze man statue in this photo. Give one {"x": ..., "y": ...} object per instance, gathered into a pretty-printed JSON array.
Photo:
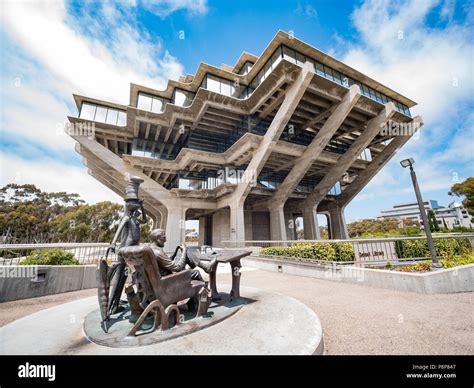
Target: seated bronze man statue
[{"x": 178, "y": 261}]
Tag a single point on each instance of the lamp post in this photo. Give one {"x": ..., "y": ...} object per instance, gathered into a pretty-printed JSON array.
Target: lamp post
[{"x": 409, "y": 163}]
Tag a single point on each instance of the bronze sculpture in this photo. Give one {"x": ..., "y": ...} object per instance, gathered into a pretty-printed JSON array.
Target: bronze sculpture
[{"x": 158, "y": 284}]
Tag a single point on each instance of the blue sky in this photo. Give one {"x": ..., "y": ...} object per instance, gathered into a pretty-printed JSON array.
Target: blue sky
[{"x": 50, "y": 50}]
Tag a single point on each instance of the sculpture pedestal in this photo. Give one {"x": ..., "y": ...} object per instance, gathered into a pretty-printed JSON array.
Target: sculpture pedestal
[{"x": 269, "y": 323}]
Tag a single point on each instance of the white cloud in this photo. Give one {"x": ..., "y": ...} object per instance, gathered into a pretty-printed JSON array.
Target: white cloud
[
  {"x": 433, "y": 66},
  {"x": 163, "y": 8},
  {"x": 49, "y": 54},
  {"x": 50, "y": 175}
]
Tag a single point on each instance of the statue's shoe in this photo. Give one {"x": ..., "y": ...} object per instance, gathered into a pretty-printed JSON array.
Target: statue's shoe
[{"x": 210, "y": 266}]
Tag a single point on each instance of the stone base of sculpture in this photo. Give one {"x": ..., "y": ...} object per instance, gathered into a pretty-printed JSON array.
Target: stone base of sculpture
[{"x": 182, "y": 323}]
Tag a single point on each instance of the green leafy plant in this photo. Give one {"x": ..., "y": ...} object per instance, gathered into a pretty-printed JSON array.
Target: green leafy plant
[
  {"x": 446, "y": 247},
  {"x": 457, "y": 260},
  {"x": 50, "y": 257},
  {"x": 311, "y": 252}
]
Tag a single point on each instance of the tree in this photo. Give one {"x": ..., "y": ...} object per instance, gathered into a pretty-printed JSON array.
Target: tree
[
  {"x": 432, "y": 221},
  {"x": 465, "y": 189},
  {"x": 381, "y": 227},
  {"x": 29, "y": 215}
]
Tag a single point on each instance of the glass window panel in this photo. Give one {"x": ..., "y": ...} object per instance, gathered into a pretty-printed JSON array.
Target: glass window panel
[
  {"x": 337, "y": 76},
  {"x": 300, "y": 59},
  {"x": 122, "y": 119},
  {"x": 112, "y": 115},
  {"x": 364, "y": 90},
  {"x": 100, "y": 114},
  {"x": 254, "y": 83},
  {"x": 213, "y": 84},
  {"x": 378, "y": 96},
  {"x": 225, "y": 87},
  {"x": 289, "y": 54},
  {"x": 182, "y": 97},
  {"x": 260, "y": 76},
  {"x": 144, "y": 102},
  {"x": 87, "y": 111},
  {"x": 157, "y": 105},
  {"x": 276, "y": 58},
  {"x": 320, "y": 69},
  {"x": 328, "y": 72},
  {"x": 268, "y": 68},
  {"x": 372, "y": 93}
]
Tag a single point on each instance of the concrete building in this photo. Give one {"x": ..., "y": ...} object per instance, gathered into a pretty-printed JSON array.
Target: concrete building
[
  {"x": 455, "y": 215},
  {"x": 246, "y": 149}
]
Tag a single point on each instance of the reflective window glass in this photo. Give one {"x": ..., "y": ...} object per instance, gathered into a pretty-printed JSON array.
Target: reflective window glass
[
  {"x": 268, "y": 68},
  {"x": 319, "y": 69},
  {"x": 276, "y": 58},
  {"x": 157, "y": 105},
  {"x": 144, "y": 102},
  {"x": 300, "y": 59},
  {"x": 112, "y": 115},
  {"x": 213, "y": 84},
  {"x": 225, "y": 87},
  {"x": 289, "y": 54},
  {"x": 122, "y": 119},
  {"x": 87, "y": 111},
  {"x": 100, "y": 114}
]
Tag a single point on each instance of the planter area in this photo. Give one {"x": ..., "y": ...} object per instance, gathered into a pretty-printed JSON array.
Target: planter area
[
  {"x": 443, "y": 281},
  {"x": 31, "y": 281}
]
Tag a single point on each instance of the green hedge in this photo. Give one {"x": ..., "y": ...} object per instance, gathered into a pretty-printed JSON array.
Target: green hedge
[
  {"x": 313, "y": 251},
  {"x": 446, "y": 247},
  {"x": 50, "y": 257}
]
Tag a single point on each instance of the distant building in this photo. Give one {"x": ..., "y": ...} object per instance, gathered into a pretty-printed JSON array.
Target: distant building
[{"x": 454, "y": 215}]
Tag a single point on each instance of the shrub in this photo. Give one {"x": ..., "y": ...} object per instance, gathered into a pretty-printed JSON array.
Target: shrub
[
  {"x": 457, "y": 261},
  {"x": 422, "y": 266},
  {"x": 446, "y": 247},
  {"x": 50, "y": 257},
  {"x": 314, "y": 251}
]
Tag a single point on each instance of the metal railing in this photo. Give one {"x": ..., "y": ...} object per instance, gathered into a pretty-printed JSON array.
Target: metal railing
[
  {"x": 370, "y": 250},
  {"x": 85, "y": 253}
]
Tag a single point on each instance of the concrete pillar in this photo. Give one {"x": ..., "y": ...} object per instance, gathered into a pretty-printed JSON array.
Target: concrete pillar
[
  {"x": 337, "y": 223},
  {"x": 237, "y": 223},
  {"x": 314, "y": 149},
  {"x": 290, "y": 224},
  {"x": 365, "y": 176},
  {"x": 175, "y": 227},
  {"x": 202, "y": 230},
  {"x": 310, "y": 224},
  {"x": 277, "y": 223},
  {"x": 347, "y": 159}
]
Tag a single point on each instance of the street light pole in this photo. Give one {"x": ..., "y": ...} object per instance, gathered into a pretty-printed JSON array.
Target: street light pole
[{"x": 426, "y": 225}]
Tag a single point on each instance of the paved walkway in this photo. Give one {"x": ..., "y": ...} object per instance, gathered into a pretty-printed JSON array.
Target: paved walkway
[{"x": 356, "y": 319}]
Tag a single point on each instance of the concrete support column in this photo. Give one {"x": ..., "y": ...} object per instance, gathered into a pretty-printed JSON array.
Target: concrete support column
[
  {"x": 290, "y": 224},
  {"x": 310, "y": 224},
  {"x": 337, "y": 223},
  {"x": 237, "y": 223},
  {"x": 277, "y": 223},
  {"x": 202, "y": 230},
  {"x": 175, "y": 227}
]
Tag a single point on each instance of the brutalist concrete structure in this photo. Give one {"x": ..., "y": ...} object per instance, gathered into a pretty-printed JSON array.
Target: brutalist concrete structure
[{"x": 246, "y": 149}]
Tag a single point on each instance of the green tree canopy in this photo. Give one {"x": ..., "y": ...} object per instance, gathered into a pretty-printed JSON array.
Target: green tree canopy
[
  {"x": 465, "y": 189},
  {"x": 29, "y": 215}
]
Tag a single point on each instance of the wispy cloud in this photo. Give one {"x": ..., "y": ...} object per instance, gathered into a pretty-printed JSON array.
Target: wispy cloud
[
  {"x": 51, "y": 50},
  {"x": 432, "y": 64}
]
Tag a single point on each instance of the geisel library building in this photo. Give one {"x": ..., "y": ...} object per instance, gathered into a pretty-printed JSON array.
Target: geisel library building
[{"x": 246, "y": 149}]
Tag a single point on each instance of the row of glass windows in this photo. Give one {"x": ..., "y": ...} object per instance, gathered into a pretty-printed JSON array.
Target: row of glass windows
[
  {"x": 341, "y": 79},
  {"x": 234, "y": 89},
  {"x": 157, "y": 104},
  {"x": 103, "y": 114},
  {"x": 245, "y": 68}
]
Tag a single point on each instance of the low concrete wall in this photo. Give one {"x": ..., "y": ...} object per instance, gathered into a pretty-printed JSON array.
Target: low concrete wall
[
  {"x": 444, "y": 281},
  {"x": 30, "y": 281}
]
